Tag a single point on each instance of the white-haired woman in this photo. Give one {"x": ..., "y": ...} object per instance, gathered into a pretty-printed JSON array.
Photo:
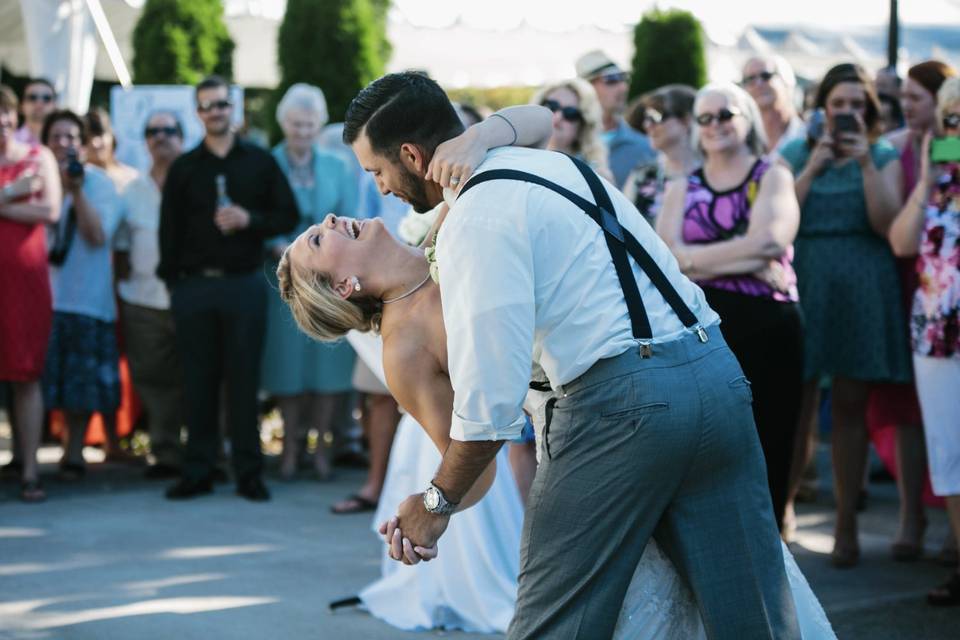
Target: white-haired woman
[
  {"x": 577, "y": 122},
  {"x": 928, "y": 226},
  {"x": 309, "y": 380},
  {"x": 770, "y": 81},
  {"x": 731, "y": 225}
]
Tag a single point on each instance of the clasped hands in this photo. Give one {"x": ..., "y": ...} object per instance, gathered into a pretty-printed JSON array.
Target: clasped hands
[{"x": 417, "y": 540}]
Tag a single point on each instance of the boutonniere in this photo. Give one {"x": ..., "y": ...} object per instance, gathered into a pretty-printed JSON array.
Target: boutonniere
[{"x": 430, "y": 253}]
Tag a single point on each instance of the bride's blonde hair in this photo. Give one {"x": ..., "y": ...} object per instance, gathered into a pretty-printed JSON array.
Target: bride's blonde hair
[{"x": 318, "y": 310}]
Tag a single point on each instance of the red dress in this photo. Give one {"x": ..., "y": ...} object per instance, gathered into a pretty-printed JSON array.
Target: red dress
[{"x": 26, "y": 306}]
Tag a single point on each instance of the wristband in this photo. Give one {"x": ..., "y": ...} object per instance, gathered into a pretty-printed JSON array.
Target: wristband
[{"x": 509, "y": 124}]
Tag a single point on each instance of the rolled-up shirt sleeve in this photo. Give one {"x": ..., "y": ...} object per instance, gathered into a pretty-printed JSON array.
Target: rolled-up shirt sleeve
[{"x": 485, "y": 261}]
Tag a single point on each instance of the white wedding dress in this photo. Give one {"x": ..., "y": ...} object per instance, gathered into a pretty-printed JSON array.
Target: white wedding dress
[{"x": 472, "y": 585}]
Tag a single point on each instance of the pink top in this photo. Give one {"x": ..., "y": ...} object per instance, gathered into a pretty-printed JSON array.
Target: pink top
[{"x": 712, "y": 216}]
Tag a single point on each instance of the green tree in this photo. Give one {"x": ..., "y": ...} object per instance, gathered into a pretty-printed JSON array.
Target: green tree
[
  {"x": 180, "y": 42},
  {"x": 669, "y": 48},
  {"x": 337, "y": 45}
]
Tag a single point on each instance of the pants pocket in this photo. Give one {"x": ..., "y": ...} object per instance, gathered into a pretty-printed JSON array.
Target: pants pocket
[{"x": 742, "y": 388}]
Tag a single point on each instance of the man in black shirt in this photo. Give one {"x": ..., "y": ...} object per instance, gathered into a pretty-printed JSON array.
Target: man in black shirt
[{"x": 220, "y": 201}]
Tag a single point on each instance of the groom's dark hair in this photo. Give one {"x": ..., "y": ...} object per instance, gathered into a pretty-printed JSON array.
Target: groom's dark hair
[{"x": 402, "y": 108}]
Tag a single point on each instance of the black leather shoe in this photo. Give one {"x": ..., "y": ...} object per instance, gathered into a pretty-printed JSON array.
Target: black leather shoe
[
  {"x": 253, "y": 489},
  {"x": 186, "y": 489}
]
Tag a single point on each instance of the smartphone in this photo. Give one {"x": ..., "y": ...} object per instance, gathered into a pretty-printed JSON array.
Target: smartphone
[
  {"x": 945, "y": 149},
  {"x": 816, "y": 124},
  {"x": 845, "y": 123}
]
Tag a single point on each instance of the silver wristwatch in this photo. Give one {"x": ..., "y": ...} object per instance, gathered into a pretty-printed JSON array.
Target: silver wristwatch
[{"x": 437, "y": 503}]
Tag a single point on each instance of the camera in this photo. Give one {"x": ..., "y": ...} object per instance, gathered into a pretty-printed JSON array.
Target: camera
[
  {"x": 74, "y": 166},
  {"x": 845, "y": 123}
]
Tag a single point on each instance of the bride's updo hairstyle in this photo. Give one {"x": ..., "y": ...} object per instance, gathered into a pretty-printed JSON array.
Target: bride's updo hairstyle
[{"x": 318, "y": 310}]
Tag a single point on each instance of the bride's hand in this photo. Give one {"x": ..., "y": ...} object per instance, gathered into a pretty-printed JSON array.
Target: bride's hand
[
  {"x": 455, "y": 160},
  {"x": 400, "y": 548}
]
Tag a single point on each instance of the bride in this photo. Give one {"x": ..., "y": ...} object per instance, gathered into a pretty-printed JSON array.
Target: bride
[{"x": 347, "y": 274}]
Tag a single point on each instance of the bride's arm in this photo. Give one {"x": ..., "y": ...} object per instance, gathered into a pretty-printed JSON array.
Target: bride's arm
[
  {"x": 526, "y": 125},
  {"x": 423, "y": 390}
]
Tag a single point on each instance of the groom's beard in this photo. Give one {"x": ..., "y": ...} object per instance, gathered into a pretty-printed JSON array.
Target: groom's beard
[{"x": 415, "y": 192}]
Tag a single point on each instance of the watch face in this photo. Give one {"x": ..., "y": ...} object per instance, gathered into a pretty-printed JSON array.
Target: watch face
[{"x": 431, "y": 498}]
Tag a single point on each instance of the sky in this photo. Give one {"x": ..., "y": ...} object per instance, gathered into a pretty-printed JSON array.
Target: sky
[{"x": 723, "y": 19}]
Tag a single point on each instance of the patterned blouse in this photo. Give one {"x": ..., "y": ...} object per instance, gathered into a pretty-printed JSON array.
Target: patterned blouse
[
  {"x": 934, "y": 325},
  {"x": 712, "y": 216}
]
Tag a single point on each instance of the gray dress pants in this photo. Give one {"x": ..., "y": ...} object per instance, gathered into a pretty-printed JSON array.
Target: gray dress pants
[{"x": 663, "y": 446}]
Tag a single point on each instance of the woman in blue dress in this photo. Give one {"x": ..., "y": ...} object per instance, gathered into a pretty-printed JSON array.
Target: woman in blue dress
[{"x": 310, "y": 381}]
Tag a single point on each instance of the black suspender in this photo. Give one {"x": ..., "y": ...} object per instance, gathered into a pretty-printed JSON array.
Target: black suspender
[{"x": 620, "y": 243}]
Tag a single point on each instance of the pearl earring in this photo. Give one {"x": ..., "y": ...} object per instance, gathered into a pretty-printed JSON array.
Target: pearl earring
[{"x": 356, "y": 283}]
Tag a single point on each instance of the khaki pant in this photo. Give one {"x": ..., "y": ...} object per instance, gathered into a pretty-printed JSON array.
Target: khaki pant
[{"x": 155, "y": 369}]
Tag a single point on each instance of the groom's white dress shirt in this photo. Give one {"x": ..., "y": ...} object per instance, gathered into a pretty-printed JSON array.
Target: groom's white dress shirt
[{"x": 526, "y": 277}]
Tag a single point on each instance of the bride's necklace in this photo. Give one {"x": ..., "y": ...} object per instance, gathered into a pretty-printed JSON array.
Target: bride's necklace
[{"x": 408, "y": 293}]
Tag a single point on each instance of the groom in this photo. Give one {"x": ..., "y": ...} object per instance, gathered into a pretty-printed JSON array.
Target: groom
[{"x": 649, "y": 430}]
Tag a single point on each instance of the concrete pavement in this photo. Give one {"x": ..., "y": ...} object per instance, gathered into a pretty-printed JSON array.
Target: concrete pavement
[{"x": 110, "y": 558}]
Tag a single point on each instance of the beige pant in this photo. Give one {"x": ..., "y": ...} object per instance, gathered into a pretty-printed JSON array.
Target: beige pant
[{"x": 155, "y": 369}]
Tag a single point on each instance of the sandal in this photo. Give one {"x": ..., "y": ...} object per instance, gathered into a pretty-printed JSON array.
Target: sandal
[
  {"x": 354, "y": 504},
  {"x": 32, "y": 491},
  {"x": 845, "y": 557},
  {"x": 909, "y": 551},
  {"x": 946, "y": 594}
]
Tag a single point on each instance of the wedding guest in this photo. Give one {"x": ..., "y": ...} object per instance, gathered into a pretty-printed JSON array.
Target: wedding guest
[
  {"x": 928, "y": 226},
  {"x": 39, "y": 101},
  {"x": 891, "y": 114},
  {"x": 666, "y": 117},
  {"x": 81, "y": 375},
  {"x": 220, "y": 201},
  {"x": 731, "y": 226},
  {"x": 897, "y": 404},
  {"x": 576, "y": 122},
  {"x": 29, "y": 198},
  {"x": 771, "y": 83},
  {"x": 309, "y": 380},
  {"x": 626, "y": 148},
  {"x": 147, "y": 321},
  {"x": 848, "y": 185},
  {"x": 100, "y": 147}
]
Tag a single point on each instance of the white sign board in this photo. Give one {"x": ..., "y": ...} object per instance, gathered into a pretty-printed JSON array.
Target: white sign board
[{"x": 130, "y": 109}]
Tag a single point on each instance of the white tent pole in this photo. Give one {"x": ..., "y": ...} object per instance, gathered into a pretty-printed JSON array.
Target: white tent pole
[{"x": 109, "y": 42}]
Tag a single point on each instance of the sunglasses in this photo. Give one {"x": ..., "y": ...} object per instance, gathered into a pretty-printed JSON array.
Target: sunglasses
[
  {"x": 210, "y": 105},
  {"x": 951, "y": 121},
  {"x": 722, "y": 116},
  {"x": 39, "y": 97},
  {"x": 652, "y": 116},
  {"x": 615, "y": 78},
  {"x": 753, "y": 77},
  {"x": 152, "y": 132},
  {"x": 570, "y": 114}
]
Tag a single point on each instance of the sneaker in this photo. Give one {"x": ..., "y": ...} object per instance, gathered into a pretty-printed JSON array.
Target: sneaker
[
  {"x": 186, "y": 489},
  {"x": 253, "y": 489}
]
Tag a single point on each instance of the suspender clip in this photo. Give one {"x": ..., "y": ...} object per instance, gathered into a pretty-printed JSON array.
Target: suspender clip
[
  {"x": 646, "y": 350},
  {"x": 701, "y": 333}
]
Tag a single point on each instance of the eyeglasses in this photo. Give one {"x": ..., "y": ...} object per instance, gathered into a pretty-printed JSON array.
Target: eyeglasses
[
  {"x": 615, "y": 78},
  {"x": 210, "y": 105},
  {"x": 39, "y": 97},
  {"x": 753, "y": 77},
  {"x": 722, "y": 116},
  {"x": 170, "y": 132},
  {"x": 570, "y": 114},
  {"x": 951, "y": 121}
]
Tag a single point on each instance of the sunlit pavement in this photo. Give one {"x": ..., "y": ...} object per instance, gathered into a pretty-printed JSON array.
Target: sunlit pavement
[{"x": 110, "y": 558}]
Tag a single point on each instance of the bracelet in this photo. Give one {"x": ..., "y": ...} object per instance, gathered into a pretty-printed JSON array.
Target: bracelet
[{"x": 509, "y": 124}]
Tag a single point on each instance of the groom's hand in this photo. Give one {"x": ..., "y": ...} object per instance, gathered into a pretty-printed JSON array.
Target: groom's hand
[{"x": 415, "y": 531}]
